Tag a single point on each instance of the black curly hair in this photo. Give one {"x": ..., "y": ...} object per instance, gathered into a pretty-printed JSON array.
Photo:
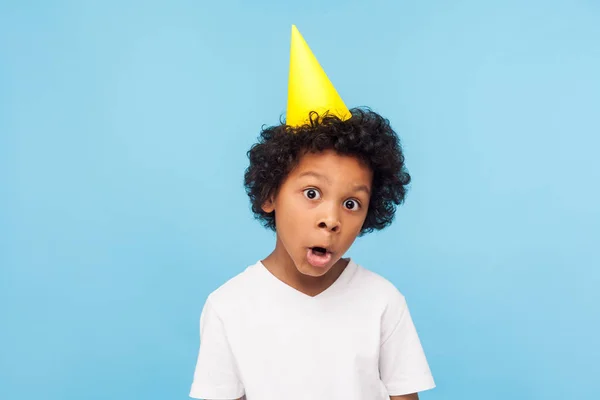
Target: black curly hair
[{"x": 366, "y": 135}]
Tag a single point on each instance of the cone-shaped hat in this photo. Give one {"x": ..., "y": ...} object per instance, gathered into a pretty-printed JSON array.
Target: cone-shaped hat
[{"x": 309, "y": 88}]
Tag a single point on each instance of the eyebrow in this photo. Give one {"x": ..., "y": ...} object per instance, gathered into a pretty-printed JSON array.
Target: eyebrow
[
  {"x": 362, "y": 188},
  {"x": 315, "y": 175},
  {"x": 357, "y": 188}
]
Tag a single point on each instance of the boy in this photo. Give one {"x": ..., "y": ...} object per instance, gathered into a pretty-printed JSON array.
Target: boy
[{"x": 305, "y": 323}]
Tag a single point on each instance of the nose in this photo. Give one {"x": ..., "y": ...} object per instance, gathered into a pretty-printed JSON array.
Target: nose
[{"x": 329, "y": 220}]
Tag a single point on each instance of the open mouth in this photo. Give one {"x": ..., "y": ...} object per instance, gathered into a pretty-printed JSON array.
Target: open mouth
[
  {"x": 319, "y": 256},
  {"x": 319, "y": 251}
]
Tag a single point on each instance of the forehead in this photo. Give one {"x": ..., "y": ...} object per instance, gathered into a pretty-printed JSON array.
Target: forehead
[{"x": 339, "y": 167}]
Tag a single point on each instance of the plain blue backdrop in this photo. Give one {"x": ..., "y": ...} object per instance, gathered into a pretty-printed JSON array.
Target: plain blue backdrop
[{"x": 123, "y": 133}]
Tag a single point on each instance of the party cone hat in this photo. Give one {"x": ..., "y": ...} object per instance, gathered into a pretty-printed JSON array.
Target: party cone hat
[{"x": 309, "y": 89}]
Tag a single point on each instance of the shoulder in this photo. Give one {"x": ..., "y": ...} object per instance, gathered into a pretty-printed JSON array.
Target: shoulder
[
  {"x": 234, "y": 290},
  {"x": 379, "y": 290},
  {"x": 376, "y": 284},
  {"x": 389, "y": 303}
]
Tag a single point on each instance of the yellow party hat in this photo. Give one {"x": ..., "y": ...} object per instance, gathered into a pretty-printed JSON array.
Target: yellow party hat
[{"x": 309, "y": 89}]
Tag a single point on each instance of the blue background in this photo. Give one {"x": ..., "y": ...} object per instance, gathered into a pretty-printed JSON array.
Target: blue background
[{"x": 123, "y": 132}]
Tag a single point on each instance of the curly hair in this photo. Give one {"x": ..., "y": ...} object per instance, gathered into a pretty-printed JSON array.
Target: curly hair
[{"x": 366, "y": 136}]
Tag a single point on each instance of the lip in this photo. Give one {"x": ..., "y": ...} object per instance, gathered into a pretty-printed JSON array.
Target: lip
[{"x": 316, "y": 261}]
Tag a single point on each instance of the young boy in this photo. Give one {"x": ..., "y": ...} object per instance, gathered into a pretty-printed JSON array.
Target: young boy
[{"x": 305, "y": 323}]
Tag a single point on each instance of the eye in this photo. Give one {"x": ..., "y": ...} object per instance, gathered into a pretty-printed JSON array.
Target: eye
[
  {"x": 352, "y": 205},
  {"x": 312, "y": 194}
]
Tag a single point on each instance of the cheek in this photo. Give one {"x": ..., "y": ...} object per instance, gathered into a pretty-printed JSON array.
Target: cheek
[
  {"x": 355, "y": 227},
  {"x": 292, "y": 213},
  {"x": 357, "y": 222},
  {"x": 296, "y": 207}
]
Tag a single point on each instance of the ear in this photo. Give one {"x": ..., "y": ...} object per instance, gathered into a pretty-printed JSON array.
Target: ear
[{"x": 269, "y": 205}]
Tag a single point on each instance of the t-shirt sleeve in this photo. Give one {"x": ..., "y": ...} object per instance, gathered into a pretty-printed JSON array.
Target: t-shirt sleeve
[
  {"x": 403, "y": 366},
  {"x": 216, "y": 374}
]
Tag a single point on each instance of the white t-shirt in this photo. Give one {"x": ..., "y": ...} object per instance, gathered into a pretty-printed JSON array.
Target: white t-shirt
[{"x": 263, "y": 338}]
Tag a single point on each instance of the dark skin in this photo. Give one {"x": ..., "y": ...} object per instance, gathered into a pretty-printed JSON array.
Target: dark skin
[{"x": 322, "y": 202}]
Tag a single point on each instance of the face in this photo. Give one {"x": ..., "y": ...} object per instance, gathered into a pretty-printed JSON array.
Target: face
[{"x": 320, "y": 209}]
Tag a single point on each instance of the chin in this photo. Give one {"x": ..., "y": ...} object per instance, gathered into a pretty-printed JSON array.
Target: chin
[
  {"x": 314, "y": 272},
  {"x": 309, "y": 270}
]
